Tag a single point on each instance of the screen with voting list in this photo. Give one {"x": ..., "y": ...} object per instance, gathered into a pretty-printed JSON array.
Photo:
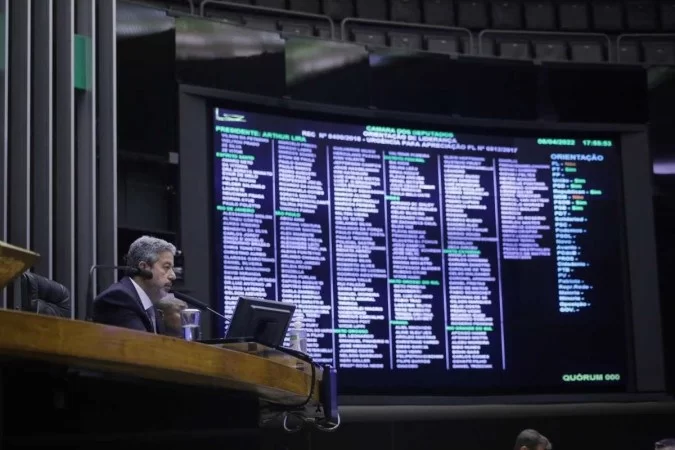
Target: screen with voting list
[{"x": 428, "y": 260}]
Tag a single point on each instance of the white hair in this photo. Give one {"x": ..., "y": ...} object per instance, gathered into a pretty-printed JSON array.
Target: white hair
[
  {"x": 169, "y": 302},
  {"x": 147, "y": 249}
]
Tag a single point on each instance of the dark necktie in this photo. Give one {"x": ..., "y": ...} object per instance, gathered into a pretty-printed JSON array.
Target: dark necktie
[{"x": 153, "y": 320}]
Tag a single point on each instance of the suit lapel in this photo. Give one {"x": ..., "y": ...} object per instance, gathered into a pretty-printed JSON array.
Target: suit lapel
[{"x": 131, "y": 289}]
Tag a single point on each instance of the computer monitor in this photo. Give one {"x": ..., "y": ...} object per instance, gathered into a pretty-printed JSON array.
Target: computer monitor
[{"x": 263, "y": 321}]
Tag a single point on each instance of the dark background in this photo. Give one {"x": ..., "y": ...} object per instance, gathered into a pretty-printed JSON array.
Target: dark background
[
  {"x": 148, "y": 77},
  {"x": 152, "y": 75}
]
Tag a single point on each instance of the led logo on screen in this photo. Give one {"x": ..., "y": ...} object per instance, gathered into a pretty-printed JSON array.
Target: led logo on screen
[{"x": 230, "y": 117}]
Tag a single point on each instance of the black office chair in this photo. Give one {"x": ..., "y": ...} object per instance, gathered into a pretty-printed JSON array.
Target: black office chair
[{"x": 44, "y": 296}]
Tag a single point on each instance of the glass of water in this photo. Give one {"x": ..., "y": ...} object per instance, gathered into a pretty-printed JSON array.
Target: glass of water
[{"x": 189, "y": 319}]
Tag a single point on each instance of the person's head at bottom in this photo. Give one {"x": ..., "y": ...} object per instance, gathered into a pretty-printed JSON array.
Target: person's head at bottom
[
  {"x": 665, "y": 444},
  {"x": 532, "y": 440},
  {"x": 154, "y": 259}
]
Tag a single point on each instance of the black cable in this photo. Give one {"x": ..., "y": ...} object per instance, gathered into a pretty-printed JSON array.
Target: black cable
[
  {"x": 308, "y": 359},
  {"x": 296, "y": 429},
  {"x": 319, "y": 425},
  {"x": 297, "y": 353},
  {"x": 311, "y": 387},
  {"x": 328, "y": 429}
]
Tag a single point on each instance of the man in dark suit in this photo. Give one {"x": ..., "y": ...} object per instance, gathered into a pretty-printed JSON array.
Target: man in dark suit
[{"x": 130, "y": 303}]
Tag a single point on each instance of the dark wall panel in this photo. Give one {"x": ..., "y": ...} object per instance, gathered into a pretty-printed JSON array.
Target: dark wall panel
[
  {"x": 599, "y": 93},
  {"x": 4, "y": 160},
  {"x": 144, "y": 200},
  {"x": 146, "y": 81},
  {"x": 49, "y": 141},
  {"x": 411, "y": 82},
  {"x": 642, "y": 262},
  {"x": 85, "y": 151},
  {"x": 42, "y": 173},
  {"x": 19, "y": 123},
  {"x": 194, "y": 203},
  {"x": 147, "y": 125},
  {"x": 64, "y": 141},
  {"x": 106, "y": 82},
  {"x": 19, "y": 161}
]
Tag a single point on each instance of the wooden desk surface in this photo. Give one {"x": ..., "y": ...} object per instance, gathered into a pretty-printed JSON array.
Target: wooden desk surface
[{"x": 122, "y": 351}]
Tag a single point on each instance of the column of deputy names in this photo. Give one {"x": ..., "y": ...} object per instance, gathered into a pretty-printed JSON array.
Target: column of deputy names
[
  {"x": 304, "y": 266},
  {"x": 523, "y": 195},
  {"x": 361, "y": 324},
  {"x": 472, "y": 262},
  {"x": 415, "y": 259},
  {"x": 249, "y": 267}
]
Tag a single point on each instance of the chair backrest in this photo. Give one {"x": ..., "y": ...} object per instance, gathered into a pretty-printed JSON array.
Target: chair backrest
[{"x": 44, "y": 296}]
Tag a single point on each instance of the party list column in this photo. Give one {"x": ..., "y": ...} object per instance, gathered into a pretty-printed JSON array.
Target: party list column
[
  {"x": 247, "y": 215},
  {"x": 523, "y": 197},
  {"x": 362, "y": 323},
  {"x": 415, "y": 259},
  {"x": 572, "y": 196},
  {"x": 472, "y": 261},
  {"x": 304, "y": 263}
]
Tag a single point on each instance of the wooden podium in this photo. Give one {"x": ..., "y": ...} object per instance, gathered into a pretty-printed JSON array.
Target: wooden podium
[
  {"x": 72, "y": 383},
  {"x": 13, "y": 262}
]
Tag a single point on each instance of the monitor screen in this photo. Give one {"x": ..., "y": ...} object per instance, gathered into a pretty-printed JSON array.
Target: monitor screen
[
  {"x": 261, "y": 320},
  {"x": 428, "y": 260}
]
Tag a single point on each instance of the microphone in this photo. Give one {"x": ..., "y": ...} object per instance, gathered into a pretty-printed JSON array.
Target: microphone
[
  {"x": 197, "y": 304},
  {"x": 130, "y": 271}
]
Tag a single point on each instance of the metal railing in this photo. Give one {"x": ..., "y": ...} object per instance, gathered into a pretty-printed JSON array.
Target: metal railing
[
  {"x": 612, "y": 49},
  {"x": 416, "y": 26},
  {"x": 595, "y": 36},
  {"x": 265, "y": 9}
]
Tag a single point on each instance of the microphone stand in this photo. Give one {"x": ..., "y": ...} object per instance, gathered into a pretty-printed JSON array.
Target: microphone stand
[{"x": 196, "y": 303}]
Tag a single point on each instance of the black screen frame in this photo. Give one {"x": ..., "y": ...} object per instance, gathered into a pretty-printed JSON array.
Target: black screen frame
[
  {"x": 645, "y": 372},
  {"x": 245, "y": 311}
]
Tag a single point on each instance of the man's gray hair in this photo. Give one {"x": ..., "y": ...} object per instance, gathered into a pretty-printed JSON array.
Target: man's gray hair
[
  {"x": 147, "y": 249},
  {"x": 532, "y": 439},
  {"x": 169, "y": 302}
]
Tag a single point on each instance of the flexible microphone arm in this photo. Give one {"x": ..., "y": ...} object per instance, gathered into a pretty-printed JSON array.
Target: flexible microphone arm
[
  {"x": 196, "y": 303},
  {"x": 131, "y": 271}
]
